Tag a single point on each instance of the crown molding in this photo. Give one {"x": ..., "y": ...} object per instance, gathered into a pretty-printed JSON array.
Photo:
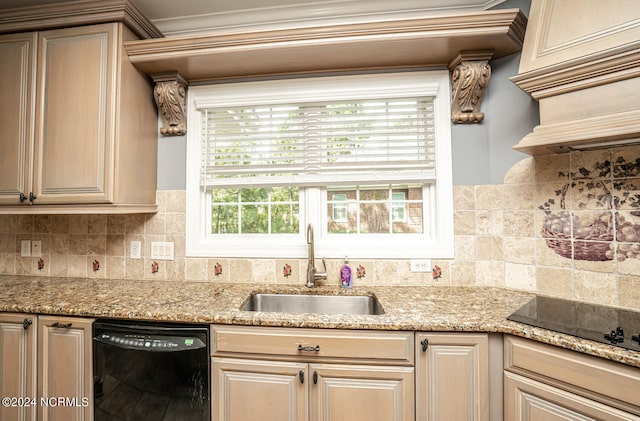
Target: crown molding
[
  {"x": 75, "y": 13},
  {"x": 313, "y": 13}
]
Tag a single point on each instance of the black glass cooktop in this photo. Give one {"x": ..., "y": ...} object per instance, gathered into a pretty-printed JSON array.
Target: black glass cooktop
[{"x": 599, "y": 323}]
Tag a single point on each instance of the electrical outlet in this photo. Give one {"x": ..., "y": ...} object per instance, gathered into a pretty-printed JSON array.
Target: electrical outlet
[
  {"x": 36, "y": 248},
  {"x": 25, "y": 248},
  {"x": 135, "y": 251},
  {"x": 420, "y": 265}
]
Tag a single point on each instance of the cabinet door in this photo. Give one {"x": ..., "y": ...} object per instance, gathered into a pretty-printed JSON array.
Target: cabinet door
[
  {"x": 361, "y": 393},
  {"x": 452, "y": 380},
  {"x": 17, "y": 82},
  {"x": 249, "y": 390},
  {"x": 74, "y": 115},
  {"x": 18, "y": 366},
  {"x": 529, "y": 400},
  {"x": 65, "y": 370}
]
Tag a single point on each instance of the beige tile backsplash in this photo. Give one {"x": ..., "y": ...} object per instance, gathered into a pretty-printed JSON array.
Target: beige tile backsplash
[{"x": 561, "y": 225}]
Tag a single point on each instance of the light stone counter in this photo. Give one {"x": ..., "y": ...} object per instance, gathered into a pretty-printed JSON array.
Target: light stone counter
[{"x": 415, "y": 308}]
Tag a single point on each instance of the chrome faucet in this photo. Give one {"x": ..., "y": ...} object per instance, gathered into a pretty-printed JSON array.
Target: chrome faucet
[{"x": 312, "y": 273}]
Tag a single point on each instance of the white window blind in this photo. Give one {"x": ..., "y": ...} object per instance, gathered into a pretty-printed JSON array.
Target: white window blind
[{"x": 318, "y": 143}]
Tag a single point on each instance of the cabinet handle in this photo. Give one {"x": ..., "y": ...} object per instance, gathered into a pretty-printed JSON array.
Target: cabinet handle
[
  {"x": 26, "y": 323},
  {"x": 61, "y": 325},
  {"x": 315, "y": 377},
  {"x": 309, "y": 348},
  {"x": 301, "y": 376},
  {"x": 425, "y": 344},
  {"x": 31, "y": 197}
]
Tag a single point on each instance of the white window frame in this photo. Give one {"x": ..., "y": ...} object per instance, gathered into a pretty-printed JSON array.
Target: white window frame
[{"x": 435, "y": 242}]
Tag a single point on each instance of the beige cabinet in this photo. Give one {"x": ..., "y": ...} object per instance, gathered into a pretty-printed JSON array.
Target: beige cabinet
[
  {"x": 543, "y": 382},
  {"x": 530, "y": 400},
  {"x": 80, "y": 123},
  {"x": 361, "y": 392},
  {"x": 259, "y": 390},
  {"x": 283, "y": 390},
  {"x": 46, "y": 365},
  {"x": 18, "y": 366},
  {"x": 453, "y": 376},
  {"x": 311, "y": 374},
  {"x": 17, "y": 107},
  {"x": 65, "y": 368}
]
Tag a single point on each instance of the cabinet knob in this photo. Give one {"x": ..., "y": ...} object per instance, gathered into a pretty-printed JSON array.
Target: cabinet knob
[
  {"x": 315, "y": 377},
  {"x": 425, "y": 344},
  {"x": 61, "y": 325},
  {"x": 301, "y": 376},
  {"x": 26, "y": 323},
  {"x": 31, "y": 197}
]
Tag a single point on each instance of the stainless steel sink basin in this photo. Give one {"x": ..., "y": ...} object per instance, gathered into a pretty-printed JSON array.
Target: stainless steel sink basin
[{"x": 321, "y": 304}]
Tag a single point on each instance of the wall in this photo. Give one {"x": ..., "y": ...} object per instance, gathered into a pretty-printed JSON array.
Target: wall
[{"x": 499, "y": 236}]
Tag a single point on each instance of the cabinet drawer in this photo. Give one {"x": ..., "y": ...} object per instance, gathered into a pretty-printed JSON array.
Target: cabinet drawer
[
  {"x": 313, "y": 344},
  {"x": 566, "y": 368}
]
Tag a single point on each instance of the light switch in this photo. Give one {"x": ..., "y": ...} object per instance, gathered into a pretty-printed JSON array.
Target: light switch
[
  {"x": 25, "y": 248},
  {"x": 135, "y": 250},
  {"x": 162, "y": 250}
]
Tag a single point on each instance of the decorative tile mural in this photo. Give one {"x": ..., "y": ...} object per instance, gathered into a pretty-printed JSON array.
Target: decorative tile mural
[{"x": 594, "y": 211}]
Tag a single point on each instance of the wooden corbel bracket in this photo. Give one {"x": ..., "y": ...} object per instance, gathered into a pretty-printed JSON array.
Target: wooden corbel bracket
[
  {"x": 170, "y": 94},
  {"x": 470, "y": 73}
]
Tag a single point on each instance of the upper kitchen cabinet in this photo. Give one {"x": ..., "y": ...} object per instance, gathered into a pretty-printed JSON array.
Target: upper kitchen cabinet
[
  {"x": 17, "y": 84},
  {"x": 79, "y": 120},
  {"x": 580, "y": 61}
]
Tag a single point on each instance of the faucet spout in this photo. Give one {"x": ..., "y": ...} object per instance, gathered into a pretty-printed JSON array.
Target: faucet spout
[{"x": 312, "y": 272}]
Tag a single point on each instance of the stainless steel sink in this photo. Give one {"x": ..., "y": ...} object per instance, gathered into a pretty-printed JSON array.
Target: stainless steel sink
[{"x": 320, "y": 304}]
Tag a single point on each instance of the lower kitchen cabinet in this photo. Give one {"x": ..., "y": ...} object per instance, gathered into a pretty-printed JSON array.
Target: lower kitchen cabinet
[
  {"x": 17, "y": 365},
  {"x": 47, "y": 366},
  {"x": 455, "y": 377},
  {"x": 300, "y": 391},
  {"x": 530, "y": 400},
  {"x": 543, "y": 382},
  {"x": 259, "y": 390},
  {"x": 275, "y": 374},
  {"x": 65, "y": 368},
  {"x": 366, "y": 393}
]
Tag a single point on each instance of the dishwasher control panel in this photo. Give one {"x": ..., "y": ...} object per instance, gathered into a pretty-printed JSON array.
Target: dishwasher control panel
[{"x": 157, "y": 343}]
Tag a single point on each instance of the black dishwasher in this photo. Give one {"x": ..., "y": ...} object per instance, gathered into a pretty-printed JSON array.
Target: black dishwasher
[{"x": 150, "y": 371}]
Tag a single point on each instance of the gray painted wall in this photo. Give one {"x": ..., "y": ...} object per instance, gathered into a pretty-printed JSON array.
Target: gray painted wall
[{"x": 482, "y": 153}]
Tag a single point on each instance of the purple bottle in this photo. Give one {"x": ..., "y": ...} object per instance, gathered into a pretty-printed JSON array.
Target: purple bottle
[{"x": 346, "y": 275}]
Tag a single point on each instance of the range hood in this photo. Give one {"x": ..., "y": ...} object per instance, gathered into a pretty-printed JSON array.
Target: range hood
[{"x": 585, "y": 74}]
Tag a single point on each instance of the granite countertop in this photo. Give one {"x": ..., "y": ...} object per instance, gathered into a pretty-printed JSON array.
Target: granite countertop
[{"x": 413, "y": 308}]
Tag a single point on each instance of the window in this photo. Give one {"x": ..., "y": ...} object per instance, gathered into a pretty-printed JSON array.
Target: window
[
  {"x": 364, "y": 158},
  {"x": 397, "y": 207},
  {"x": 338, "y": 207}
]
